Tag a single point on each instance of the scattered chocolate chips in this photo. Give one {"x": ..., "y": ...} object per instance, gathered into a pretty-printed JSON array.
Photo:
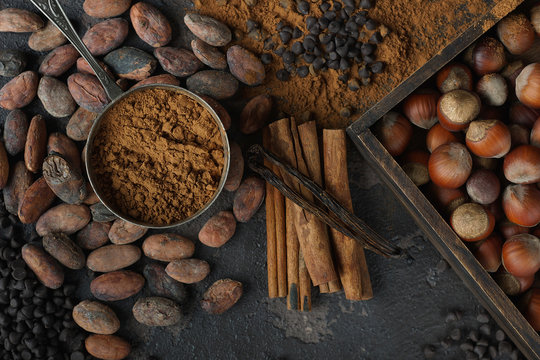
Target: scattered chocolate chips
[
  {"x": 303, "y": 7},
  {"x": 266, "y": 58},
  {"x": 283, "y": 75},
  {"x": 302, "y": 71}
]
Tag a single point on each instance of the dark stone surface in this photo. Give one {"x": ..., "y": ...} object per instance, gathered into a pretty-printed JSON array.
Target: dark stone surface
[{"x": 411, "y": 299}]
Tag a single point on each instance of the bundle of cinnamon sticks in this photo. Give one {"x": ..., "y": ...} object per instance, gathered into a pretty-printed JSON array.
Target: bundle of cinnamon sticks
[{"x": 301, "y": 249}]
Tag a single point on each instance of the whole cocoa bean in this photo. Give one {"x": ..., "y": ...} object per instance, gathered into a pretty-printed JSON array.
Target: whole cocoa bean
[
  {"x": 123, "y": 83},
  {"x": 35, "y": 201},
  {"x": 188, "y": 271},
  {"x": 107, "y": 347},
  {"x": 221, "y": 296},
  {"x": 64, "y": 179},
  {"x": 96, "y": 317},
  {"x": 158, "y": 79},
  {"x": 65, "y": 218},
  {"x": 55, "y": 97},
  {"x": 93, "y": 235},
  {"x": 207, "y": 29},
  {"x": 15, "y": 131},
  {"x": 12, "y": 62},
  {"x": 236, "y": 168},
  {"x": 168, "y": 247},
  {"x": 91, "y": 197},
  {"x": 19, "y": 20},
  {"x": 87, "y": 92},
  {"x": 19, "y": 181},
  {"x": 59, "y": 60},
  {"x": 106, "y": 36},
  {"x": 255, "y": 114},
  {"x": 101, "y": 214},
  {"x": 123, "y": 232},
  {"x": 4, "y": 166},
  {"x": 157, "y": 311},
  {"x": 35, "y": 147},
  {"x": 46, "y": 39},
  {"x": 84, "y": 67},
  {"x": 221, "y": 112},
  {"x": 19, "y": 91},
  {"x": 179, "y": 62},
  {"x": 63, "y": 249},
  {"x": 131, "y": 63},
  {"x": 150, "y": 24},
  {"x": 245, "y": 66},
  {"x": 218, "y": 229},
  {"x": 116, "y": 285},
  {"x": 113, "y": 257},
  {"x": 80, "y": 123},
  {"x": 209, "y": 55},
  {"x": 59, "y": 143},
  {"x": 161, "y": 284},
  {"x": 217, "y": 84},
  {"x": 48, "y": 271},
  {"x": 248, "y": 198},
  {"x": 105, "y": 8}
]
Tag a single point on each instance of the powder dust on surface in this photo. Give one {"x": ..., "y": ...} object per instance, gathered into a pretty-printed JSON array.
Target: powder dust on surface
[
  {"x": 158, "y": 156},
  {"x": 419, "y": 29}
]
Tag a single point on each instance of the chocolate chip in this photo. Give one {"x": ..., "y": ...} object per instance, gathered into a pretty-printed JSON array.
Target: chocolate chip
[
  {"x": 337, "y": 6},
  {"x": 366, "y": 4},
  {"x": 371, "y": 24},
  {"x": 377, "y": 67},
  {"x": 342, "y": 50},
  {"x": 334, "y": 64},
  {"x": 297, "y": 48},
  {"x": 343, "y": 78},
  {"x": 368, "y": 59},
  {"x": 333, "y": 55},
  {"x": 350, "y": 42},
  {"x": 354, "y": 34},
  {"x": 339, "y": 41},
  {"x": 279, "y": 51},
  {"x": 318, "y": 63},
  {"x": 280, "y": 25},
  {"x": 351, "y": 3},
  {"x": 317, "y": 51},
  {"x": 309, "y": 43},
  {"x": 302, "y": 71},
  {"x": 351, "y": 26},
  {"x": 266, "y": 58},
  {"x": 360, "y": 19},
  {"x": 334, "y": 27},
  {"x": 325, "y": 38},
  {"x": 251, "y": 25},
  {"x": 363, "y": 72},
  {"x": 367, "y": 49},
  {"x": 345, "y": 112},
  {"x": 268, "y": 44},
  {"x": 310, "y": 21},
  {"x": 343, "y": 15},
  {"x": 283, "y": 75},
  {"x": 353, "y": 85},
  {"x": 349, "y": 10},
  {"x": 324, "y": 6},
  {"x": 285, "y": 37},
  {"x": 330, "y": 15},
  {"x": 288, "y": 57},
  {"x": 376, "y": 38},
  {"x": 499, "y": 335},
  {"x": 303, "y": 7},
  {"x": 297, "y": 33},
  {"x": 323, "y": 23}
]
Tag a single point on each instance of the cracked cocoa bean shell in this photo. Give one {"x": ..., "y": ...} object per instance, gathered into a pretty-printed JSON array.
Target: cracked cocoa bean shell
[
  {"x": 245, "y": 66},
  {"x": 64, "y": 180},
  {"x": 64, "y": 218},
  {"x": 208, "y": 29},
  {"x": 217, "y": 84},
  {"x": 209, "y": 55},
  {"x": 161, "y": 284},
  {"x": 87, "y": 92},
  {"x": 113, "y": 257},
  {"x": 96, "y": 317},
  {"x": 236, "y": 168},
  {"x": 19, "y": 20},
  {"x": 80, "y": 123},
  {"x": 48, "y": 271},
  {"x": 116, "y": 285},
  {"x": 221, "y": 296},
  {"x": 218, "y": 229},
  {"x": 108, "y": 347},
  {"x": 37, "y": 198},
  {"x": 12, "y": 62},
  {"x": 188, "y": 271},
  {"x": 15, "y": 131},
  {"x": 123, "y": 232},
  {"x": 63, "y": 249},
  {"x": 157, "y": 311},
  {"x": 221, "y": 112},
  {"x": 167, "y": 79},
  {"x": 105, "y": 8},
  {"x": 131, "y": 63},
  {"x": 19, "y": 181},
  {"x": 167, "y": 247},
  {"x": 47, "y": 38},
  {"x": 60, "y": 144},
  {"x": 59, "y": 60},
  {"x": 55, "y": 97},
  {"x": 150, "y": 24},
  {"x": 248, "y": 198},
  {"x": 93, "y": 235},
  {"x": 35, "y": 148},
  {"x": 177, "y": 61},
  {"x": 19, "y": 91},
  {"x": 256, "y": 114},
  {"x": 106, "y": 36}
]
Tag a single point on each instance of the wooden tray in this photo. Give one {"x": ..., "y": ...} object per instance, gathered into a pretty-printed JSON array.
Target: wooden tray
[{"x": 426, "y": 216}]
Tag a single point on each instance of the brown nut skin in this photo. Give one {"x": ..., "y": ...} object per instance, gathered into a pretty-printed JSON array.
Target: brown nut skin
[
  {"x": 123, "y": 232},
  {"x": 167, "y": 247},
  {"x": 59, "y": 60},
  {"x": 47, "y": 38},
  {"x": 105, "y": 8},
  {"x": 150, "y": 24},
  {"x": 245, "y": 66},
  {"x": 116, "y": 285},
  {"x": 93, "y": 235},
  {"x": 208, "y": 29},
  {"x": 19, "y": 20},
  {"x": 35, "y": 201},
  {"x": 188, "y": 271},
  {"x": 87, "y": 92},
  {"x": 248, "y": 198},
  {"x": 221, "y": 296},
  {"x": 113, "y": 257},
  {"x": 35, "y": 147},
  {"x": 79, "y": 124},
  {"x": 176, "y": 61},
  {"x": 4, "y": 166},
  {"x": 236, "y": 168},
  {"x": 107, "y": 347},
  {"x": 96, "y": 317},
  {"x": 167, "y": 79},
  {"x": 131, "y": 63},
  {"x": 255, "y": 114},
  {"x": 15, "y": 130},
  {"x": 48, "y": 271},
  {"x": 161, "y": 284},
  {"x": 63, "y": 249},
  {"x": 19, "y": 181},
  {"x": 209, "y": 55},
  {"x": 106, "y": 36},
  {"x": 65, "y": 218},
  {"x": 19, "y": 91},
  {"x": 217, "y": 84},
  {"x": 157, "y": 311},
  {"x": 55, "y": 97},
  {"x": 218, "y": 229},
  {"x": 221, "y": 112},
  {"x": 59, "y": 143}
]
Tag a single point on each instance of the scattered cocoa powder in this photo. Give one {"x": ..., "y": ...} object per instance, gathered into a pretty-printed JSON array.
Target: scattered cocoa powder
[{"x": 158, "y": 156}]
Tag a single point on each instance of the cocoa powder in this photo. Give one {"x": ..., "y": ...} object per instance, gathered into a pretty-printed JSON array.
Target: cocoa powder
[{"x": 158, "y": 156}]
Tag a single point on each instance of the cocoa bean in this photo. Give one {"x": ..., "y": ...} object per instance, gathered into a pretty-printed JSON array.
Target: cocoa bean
[
  {"x": 105, "y": 8},
  {"x": 101, "y": 214},
  {"x": 96, "y": 317},
  {"x": 150, "y": 24},
  {"x": 80, "y": 123},
  {"x": 63, "y": 249},
  {"x": 84, "y": 67},
  {"x": 161, "y": 284},
  {"x": 65, "y": 218},
  {"x": 108, "y": 347},
  {"x": 218, "y": 229},
  {"x": 4, "y": 166},
  {"x": 106, "y": 36},
  {"x": 248, "y": 198},
  {"x": 131, "y": 63},
  {"x": 116, "y": 285},
  {"x": 113, "y": 257},
  {"x": 91, "y": 197},
  {"x": 123, "y": 83},
  {"x": 35, "y": 201},
  {"x": 158, "y": 79},
  {"x": 123, "y": 232},
  {"x": 48, "y": 271},
  {"x": 168, "y": 247},
  {"x": 188, "y": 271},
  {"x": 245, "y": 66},
  {"x": 87, "y": 92},
  {"x": 35, "y": 147},
  {"x": 19, "y": 181},
  {"x": 93, "y": 235},
  {"x": 59, "y": 60},
  {"x": 15, "y": 131},
  {"x": 255, "y": 114},
  {"x": 157, "y": 311},
  {"x": 217, "y": 84},
  {"x": 221, "y": 112},
  {"x": 207, "y": 29},
  {"x": 46, "y": 39},
  {"x": 236, "y": 168},
  {"x": 209, "y": 55},
  {"x": 55, "y": 97},
  {"x": 12, "y": 62},
  {"x": 19, "y": 20},
  {"x": 19, "y": 91},
  {"x": 179, "y": 62},
  {"x": 221, "y": 296},
  {"x": 64, "y": 179},
  {"x": 60, "y": 144}
]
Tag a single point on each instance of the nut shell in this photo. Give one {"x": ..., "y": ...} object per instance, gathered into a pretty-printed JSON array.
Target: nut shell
[
  {"x": 96, "y": 317},
  {"x": 63, "y": 249},
  {"x": 168, "y": 247},
  {"x": 116, "y": 285},
  {"x": 113, "y": 257},
  {"x": 157, "y": 311},
  {"x": 48, "y": 271},
  {"x": 221, "y": 296},
  {"x": 107, "y": 347}
]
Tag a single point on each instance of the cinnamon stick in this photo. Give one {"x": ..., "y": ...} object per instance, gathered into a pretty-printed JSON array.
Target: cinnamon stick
[
  {"x": 350, "y": 257},
  {"x": 281, "y": 249},
  {"x": 305, "y": 284},
  {"x": 293, "y": 285},
  {"x": 271, "y": 255}
]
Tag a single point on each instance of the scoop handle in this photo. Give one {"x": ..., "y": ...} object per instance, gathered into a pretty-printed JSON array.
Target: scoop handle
[{"x": 55, "y": 13}]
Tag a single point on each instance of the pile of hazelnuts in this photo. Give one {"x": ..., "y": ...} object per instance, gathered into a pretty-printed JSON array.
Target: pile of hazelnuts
[{"x": 478, "y": 159}]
